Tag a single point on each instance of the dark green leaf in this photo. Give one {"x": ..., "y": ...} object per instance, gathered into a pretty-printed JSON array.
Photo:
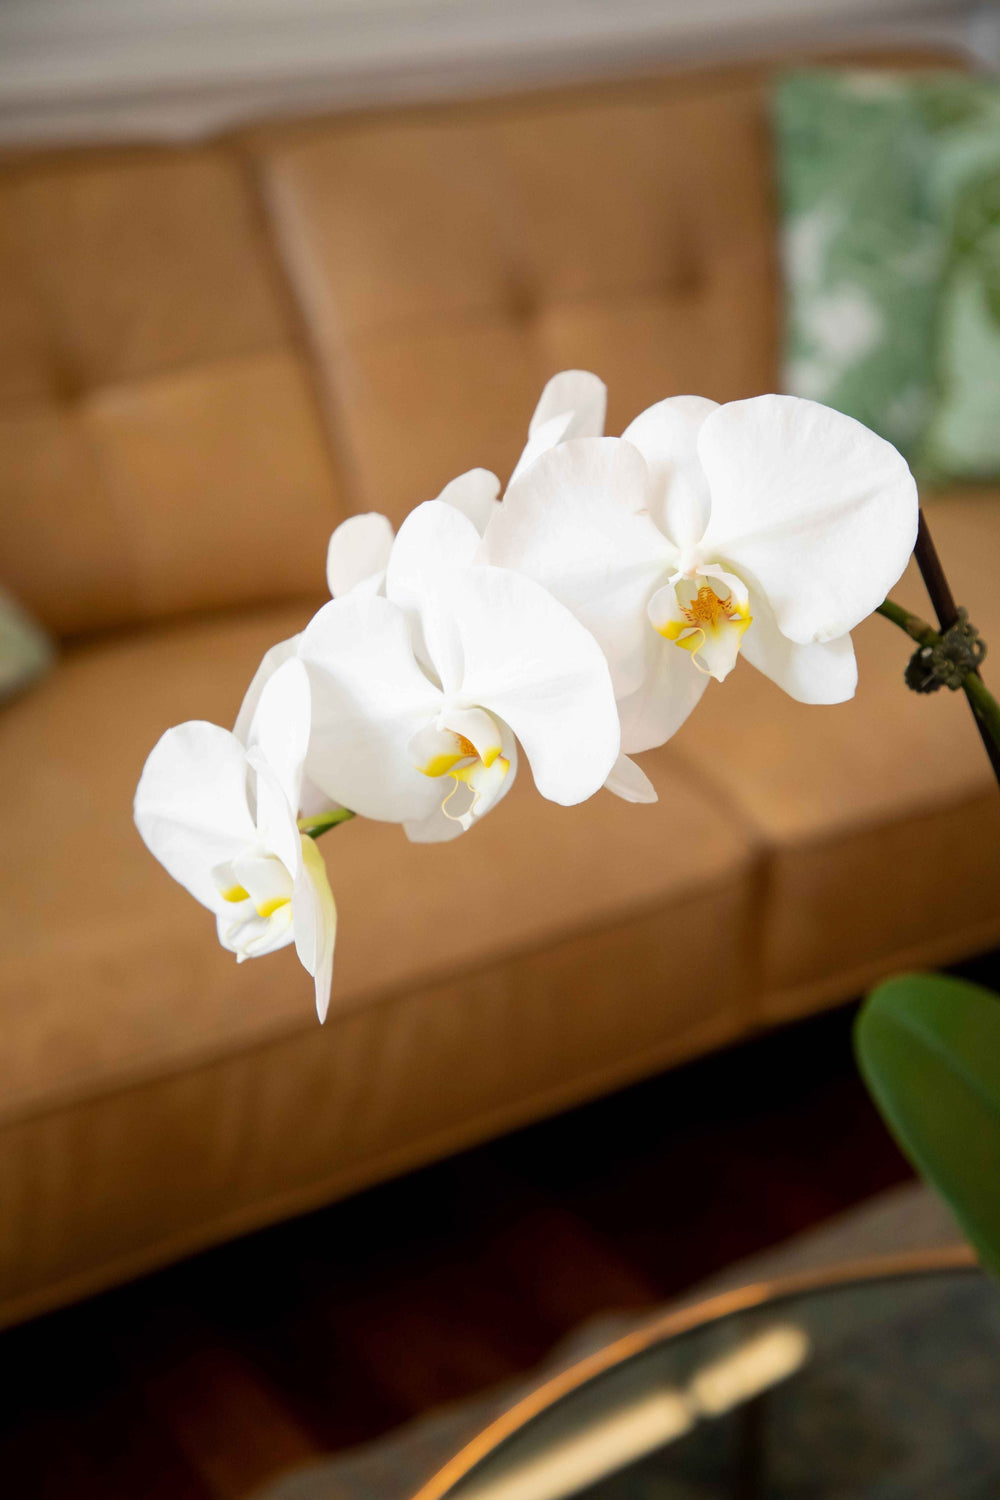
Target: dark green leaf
[{"x": 929, "y": 1050}]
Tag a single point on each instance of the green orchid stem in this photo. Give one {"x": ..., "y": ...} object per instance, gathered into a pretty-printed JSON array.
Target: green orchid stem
[
  {"x": 316, "y": 827},
  {"x": 985, "y": 708},
  {"x": 917, "y": 629}
]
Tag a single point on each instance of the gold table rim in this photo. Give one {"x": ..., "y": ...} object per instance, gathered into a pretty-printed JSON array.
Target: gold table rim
[{"x": 683, "y": 1320}]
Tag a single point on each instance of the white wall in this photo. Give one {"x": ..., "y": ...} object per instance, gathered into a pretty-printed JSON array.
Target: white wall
[{"x": 92, "y": 69}]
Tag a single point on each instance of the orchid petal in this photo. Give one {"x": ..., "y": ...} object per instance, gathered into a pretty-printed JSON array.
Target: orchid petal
[
  {"x": 228, "y": 883},
  {"x": 266, "y": 880},
  {"x": 528, "y": 661},
  {"x": 576, "y": 522},
  {"x": 249, "y": 935},
  {"x": 358, "y": 553},
  {"x": 315, "y": 919},
  {"x": 312, "y": 800},
  {"x": 369, "y": 699},
  {"x": 572, "y": 405},
  {"x": 277, "y": 829},
  {"x": 280, "y": 727},
  {"x": 435, "y": 827},
  {"x": 665, "y": 613},
  {"x": 271, "y": 661},
  {"x": 667, "y": 437},
  {"x": 822, "y": 672},
  {"x": 475, "y": 494},
  {"x": 435, "y": 538},
  {"x": 575, "y": 393},
  {"x": 820, "y": 511},
  {"x": 671, "y": 688},
  {"x": 191, "y": 805},
  {"x": 630, "y": 782},
  {"x": 433, "y": 541}
]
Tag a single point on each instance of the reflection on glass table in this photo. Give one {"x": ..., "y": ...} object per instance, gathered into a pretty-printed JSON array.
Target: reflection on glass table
[{"x": 884, "y": 1386}]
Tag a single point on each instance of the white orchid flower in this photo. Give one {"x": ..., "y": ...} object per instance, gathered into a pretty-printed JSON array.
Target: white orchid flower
[
  {"x": 356, "y": 562},
  {"x": 221, "y": 816},
  {"x": 419, "y": 697},
  {"x": 771, "y": 526}
]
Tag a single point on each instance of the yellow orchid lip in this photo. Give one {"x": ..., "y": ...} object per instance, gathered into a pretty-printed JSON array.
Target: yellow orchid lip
[
  {"x": 482, "y": 781},
  {"x": 672, "y": 630},
  {"x": 470, "y": 773},
  {"x": 235, "y": 893},
  {"x": 268, "y": 908},
  {"x": 440, "y": 765},
  {"x": 709, "y": 626},
  {"x": 465, "y": 746}
]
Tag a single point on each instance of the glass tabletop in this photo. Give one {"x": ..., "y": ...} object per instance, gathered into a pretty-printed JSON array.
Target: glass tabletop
[{"x": 883, "y": 1385}]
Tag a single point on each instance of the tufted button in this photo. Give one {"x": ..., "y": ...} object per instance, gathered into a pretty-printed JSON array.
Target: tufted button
[
  {"x": 521, "y": 300},
  {"x": 687, "y": 276}
]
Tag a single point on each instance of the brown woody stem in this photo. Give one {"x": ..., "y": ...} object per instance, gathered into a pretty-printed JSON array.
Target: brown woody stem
[
  {"x": 981, "y": 701},
  {"x": 985, "y": 709}
]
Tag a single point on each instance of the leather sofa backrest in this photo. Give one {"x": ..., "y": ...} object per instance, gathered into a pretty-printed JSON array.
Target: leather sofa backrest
[
  {"x": 160, "y": 444},
  {"x": 212, "y": 354},
  {"x": 448, "y": 260}
]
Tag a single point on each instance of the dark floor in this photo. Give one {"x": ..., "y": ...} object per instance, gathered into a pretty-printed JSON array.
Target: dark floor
[{"x": 202, "y": 1381}]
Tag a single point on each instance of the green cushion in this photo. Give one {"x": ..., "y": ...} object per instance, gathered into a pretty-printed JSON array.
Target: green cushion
[
  {"x": 25, "y": 650},
  {"x": 890, "y": 190}
]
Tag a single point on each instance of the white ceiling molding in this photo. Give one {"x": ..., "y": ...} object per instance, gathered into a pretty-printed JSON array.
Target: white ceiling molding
[{"x": 175, "y": 69}]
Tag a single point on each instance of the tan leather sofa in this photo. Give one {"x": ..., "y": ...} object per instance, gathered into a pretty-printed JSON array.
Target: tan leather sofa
[{"x": 209, "y": 356}]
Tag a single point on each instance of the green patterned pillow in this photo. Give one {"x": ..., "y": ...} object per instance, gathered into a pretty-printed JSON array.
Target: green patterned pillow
[
  {"x": 25, "y": 650},
  {"x": 890, "y": 187}
]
